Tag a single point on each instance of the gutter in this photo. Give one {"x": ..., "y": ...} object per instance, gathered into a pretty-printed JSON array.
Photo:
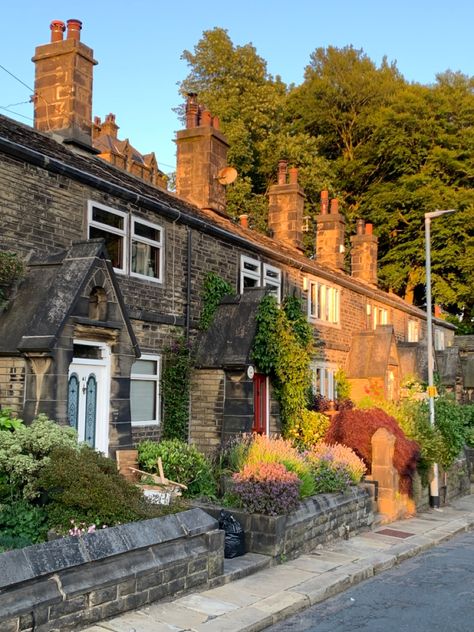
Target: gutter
[{"x": 57, "y": 166}]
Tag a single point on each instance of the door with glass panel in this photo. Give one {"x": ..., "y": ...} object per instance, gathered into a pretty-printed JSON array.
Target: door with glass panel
[{"x": 88, "y": 397}]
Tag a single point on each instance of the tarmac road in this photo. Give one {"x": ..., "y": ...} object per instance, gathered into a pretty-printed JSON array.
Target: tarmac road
[{"x": 433, "y": 592}]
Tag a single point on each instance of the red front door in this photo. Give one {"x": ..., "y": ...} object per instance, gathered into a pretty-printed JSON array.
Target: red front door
[{"x": 259, "y": 403}]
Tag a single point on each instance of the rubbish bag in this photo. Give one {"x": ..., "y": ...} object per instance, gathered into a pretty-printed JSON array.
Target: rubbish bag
[{"x": 234, "y": 541}]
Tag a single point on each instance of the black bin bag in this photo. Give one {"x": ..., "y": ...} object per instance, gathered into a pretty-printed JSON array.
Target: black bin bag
[{"x": 234, "y": 541}]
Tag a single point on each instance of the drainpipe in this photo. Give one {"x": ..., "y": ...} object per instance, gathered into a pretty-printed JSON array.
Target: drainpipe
[{"x": 188, "y": 288}]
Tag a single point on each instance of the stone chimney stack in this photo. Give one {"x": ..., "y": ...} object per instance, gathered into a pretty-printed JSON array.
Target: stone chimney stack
[
  {"x": 201, "y": 157},
  {"x": 63, "y": 84},
  {"x": 330, "y": 227},
  {"x": 285, "y": 209},
  {"x": 364, "y": 254}
]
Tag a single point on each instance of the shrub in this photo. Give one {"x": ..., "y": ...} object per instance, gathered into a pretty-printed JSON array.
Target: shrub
[
  {"x": 21, "y": 524},
  {"x": 339, "y": 455},
  {"x": 26, "y": 450},
  {"x": 449, "y": 422},
  {"x": 354, "y": 428},
  {"x": 308, "y": 429},
  {"x": 265, "y": 449},
  {"x": 267, "y": 488},
  {"x": 85, "y": 486},
  {"x": 232, "y": 456},
  {"x": 330, "y": 477},
  {"x": 182, "y": 463},
  {"x": 8, "y": 420}
]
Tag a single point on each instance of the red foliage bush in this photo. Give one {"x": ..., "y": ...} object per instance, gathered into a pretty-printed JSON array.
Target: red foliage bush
[{"x": 354, "y": 428}]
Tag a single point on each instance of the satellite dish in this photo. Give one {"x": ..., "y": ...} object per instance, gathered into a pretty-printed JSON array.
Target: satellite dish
[{"x": 227, "y": 175}]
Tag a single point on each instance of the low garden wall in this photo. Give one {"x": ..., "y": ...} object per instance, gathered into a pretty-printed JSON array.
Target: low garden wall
[
  {"x": 453, "y": 483},
  {"x": 70, "y": 582},
  {"x": 318, "y": 519}
]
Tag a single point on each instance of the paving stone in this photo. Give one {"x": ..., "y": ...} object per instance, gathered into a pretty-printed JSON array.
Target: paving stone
[
  {"x": 249, "y": 619},
  {"x": 134, "y": 622},
  {"x": 319, "y": 588},
  {"x": 207, "y": 605},
  {"x": 176, "y": 614},
  {"x": 283, "y": 604}
]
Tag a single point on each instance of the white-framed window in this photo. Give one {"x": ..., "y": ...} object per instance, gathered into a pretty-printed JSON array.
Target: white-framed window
[
  {"x": 323, "y": 379},
  {"x": 272, "y": 280},
  {"x": 134, "y": 245},
  {"x": 254, "y": 274},
  {"x": 323, "y": 302},
  {"x": 379, "y": 316},
  {"x": 146, "y": 253},
  {"x": 145, "y": 390},
  {"x": 413, "y": 330},
  {"x": 111, "y": 225}
]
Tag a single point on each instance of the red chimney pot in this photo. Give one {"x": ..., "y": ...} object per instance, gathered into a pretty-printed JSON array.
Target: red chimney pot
[
  {"x": 206, "y": 118},
  {"x": 368, "y": 229},
  {"x": 74, "y": 29},
  {"x": 215, "y": 122},
  {"x": 293, "y": 171},
  {"x": 244, "y": 221},
  {"x": 57, "y": 29},
  {"x": 324, "y": 202},
  {"x": 334, "y": 206}
]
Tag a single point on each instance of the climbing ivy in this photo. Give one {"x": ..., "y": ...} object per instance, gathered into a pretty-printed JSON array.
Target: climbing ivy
[
  {"x": 214, "y": 290},
  {"x": 282, "y": 349},
  {"x": 175, "y": 390},
  {"x": 12, "y": 269}
]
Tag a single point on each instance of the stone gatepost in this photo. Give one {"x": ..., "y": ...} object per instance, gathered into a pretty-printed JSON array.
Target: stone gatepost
[{"x": 391, "y": 503}]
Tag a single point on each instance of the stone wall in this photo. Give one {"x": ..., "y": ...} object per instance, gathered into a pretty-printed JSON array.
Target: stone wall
[
  {"x": 318, "y": 519},
  {"x": 12, "y": 383},
  {"x": 453, "y": 483},
  {"x": 76, "y": 581}
]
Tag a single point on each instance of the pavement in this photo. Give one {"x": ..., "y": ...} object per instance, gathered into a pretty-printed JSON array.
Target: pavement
[{"x": 274, "y": 593}]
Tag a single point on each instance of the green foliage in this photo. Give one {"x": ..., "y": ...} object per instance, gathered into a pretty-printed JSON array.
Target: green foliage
[
  {"x": 343, "y": 386},
  {"x": 8, "y": 420},
  {"x": 282, "y": 349},
  {"x": 21, "y": 524},
  {"x": 12, "y": 269},
  {"x": 449, "y": 422},
  {"x": 309, "y": 428},
  {"x": 175, "y": 390},
  {"x": 85, "y": 486},
  {"x": 182, "y": 463},
  {"x": 214, "y": 290},
  {"x": 26, "y": 450}
]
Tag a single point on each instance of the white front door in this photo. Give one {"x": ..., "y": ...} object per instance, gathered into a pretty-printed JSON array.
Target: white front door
[{"x": 88, "y": 394}]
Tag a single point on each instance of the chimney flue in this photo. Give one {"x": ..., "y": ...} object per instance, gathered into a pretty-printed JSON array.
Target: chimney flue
[
  {"x": 293, "y": 171},
  {"x": 334, "y": 206},
  {"x": 57, "y": 29},
  {"x": 282, "y": 166},
  {"x": 244, "y": 220},
  {"x": 192, "y": 110},
  {"x": 74, "y": 29},
  {"x": 324, "y": 202},
  {"x": 360, "y": 227}
]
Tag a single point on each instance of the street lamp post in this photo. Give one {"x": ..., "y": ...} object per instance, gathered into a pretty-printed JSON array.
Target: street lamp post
[{"x": 434, "y": 486}]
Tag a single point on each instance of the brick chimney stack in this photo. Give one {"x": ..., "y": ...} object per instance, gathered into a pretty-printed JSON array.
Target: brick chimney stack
[
  {"x": 330, "y": 228},
  {"x": 285, "y": 209},
  {"x": 63, "y": 84},
  {"x": 364, "y": 253},
  {"x": 201, "y": 156}
]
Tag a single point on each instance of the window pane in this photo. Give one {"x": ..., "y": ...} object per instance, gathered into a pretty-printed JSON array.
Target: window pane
[
  {"x": 143, "y": 400},
  {"x": 150, "y": 232},
  {"x": 145, "y": 367},
  {"x": 113, "y": 243},
  {"x": 111, "y": 219},
  {"x": 145, "y": 259},
  {"x": 250, "y": 282}
]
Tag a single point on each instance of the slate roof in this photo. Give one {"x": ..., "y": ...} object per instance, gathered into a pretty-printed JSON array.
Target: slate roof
[
  {"x": 228, "y": 341},
  {"x": 27, "y": 137},
  {"x": 371, "y": 353},
  {"x": 34, "y": 319}
]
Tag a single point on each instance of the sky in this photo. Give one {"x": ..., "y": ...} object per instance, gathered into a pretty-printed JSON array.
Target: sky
[{"x": 138, "y": 44}]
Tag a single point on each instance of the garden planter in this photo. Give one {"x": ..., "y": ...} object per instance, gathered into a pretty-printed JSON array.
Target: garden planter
[{"x": 317, "y": 520}]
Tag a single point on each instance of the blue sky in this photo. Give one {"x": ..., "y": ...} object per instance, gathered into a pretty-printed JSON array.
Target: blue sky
[{"x": 138, "y": 44}]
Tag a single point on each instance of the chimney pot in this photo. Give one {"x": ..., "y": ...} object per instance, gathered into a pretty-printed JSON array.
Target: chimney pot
[
  {"x": 244, "y": 220},
  {"x": 368, "y": 229},
  {"x": 282, "y": 166},
  {"x": 293, "y": 171},
  {"x": 334, "y": 206},
  {"x": 324, "y": 202},
  {"x": 192, "y": 110},
  {"x": 57, "y": 29},
  {"x": 206, "y": 118},
  {"x": 74, "y": 29},
  {"x": 360, "y": 226},
  {"x": 215, "y": 122}
]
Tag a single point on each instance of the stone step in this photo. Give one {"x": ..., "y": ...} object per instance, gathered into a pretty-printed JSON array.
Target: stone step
[{"x": 242, "y": 566}]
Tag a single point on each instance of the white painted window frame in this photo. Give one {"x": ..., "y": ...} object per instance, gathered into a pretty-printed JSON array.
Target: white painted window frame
[
  {"x": 150, "y": 242},
  {"x": 272, "y": 279},
  {"x": 149, "y": 378},
  {"x": 111, "y": 229},
  {"x": 255, "y": 274},
  {"x": 324, "y": 301},
  {"x": 327, "y": 372}
]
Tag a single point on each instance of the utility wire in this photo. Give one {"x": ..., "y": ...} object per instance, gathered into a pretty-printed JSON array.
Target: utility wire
[
  {"x": 29, "y": 118},
  {"x": 15, "y": 77}
]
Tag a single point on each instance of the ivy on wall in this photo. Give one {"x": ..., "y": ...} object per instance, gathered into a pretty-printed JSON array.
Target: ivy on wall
[
  {"x": 12, "y": 269},
  {"x": 282, "y": 349},
  {"x": 214, "y": 290},
  {"x": 175, "y": 390}
]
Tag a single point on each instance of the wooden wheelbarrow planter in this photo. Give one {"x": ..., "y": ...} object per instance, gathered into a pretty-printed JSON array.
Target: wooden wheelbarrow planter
[{"x": 161, "y": 492}]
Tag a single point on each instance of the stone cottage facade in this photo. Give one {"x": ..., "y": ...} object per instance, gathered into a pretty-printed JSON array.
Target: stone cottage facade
[{"x": 116, "y": 265}]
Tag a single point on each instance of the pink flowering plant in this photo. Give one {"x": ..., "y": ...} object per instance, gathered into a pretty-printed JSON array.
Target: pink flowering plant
[
  {"x": 334, "y": 467},
  {"x": 267, "y": 488},
  {"x": 80, "y": 528}
]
